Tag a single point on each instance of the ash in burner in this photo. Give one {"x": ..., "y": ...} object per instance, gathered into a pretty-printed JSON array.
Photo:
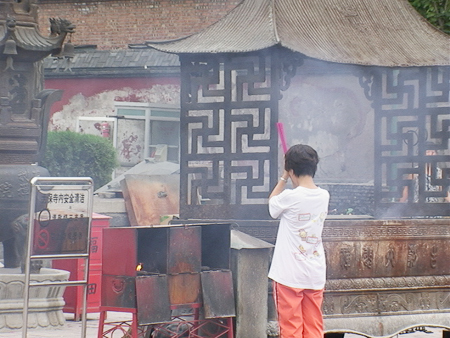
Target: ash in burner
[
  {"x": 141, "y": 272},
  {"x": 208, "y": 269},
  {"x": 147, "y": 273}
]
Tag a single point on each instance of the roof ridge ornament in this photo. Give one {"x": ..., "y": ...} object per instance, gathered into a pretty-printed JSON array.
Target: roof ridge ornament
[{"x": 290, "y": 61}]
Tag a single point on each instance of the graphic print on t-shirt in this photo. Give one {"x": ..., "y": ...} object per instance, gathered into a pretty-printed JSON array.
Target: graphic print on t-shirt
[
  {"x": 304, "y": 217},
  {"x": 311, "y": 241}
]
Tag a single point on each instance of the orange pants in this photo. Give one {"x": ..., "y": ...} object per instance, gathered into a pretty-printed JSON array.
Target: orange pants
[{"x": 299, "y": 311}]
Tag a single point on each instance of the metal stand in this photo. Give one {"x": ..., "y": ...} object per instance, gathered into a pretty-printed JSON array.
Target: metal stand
[
  {"x": 59, "y": 227},
  {"x": 180, "y": 325}
]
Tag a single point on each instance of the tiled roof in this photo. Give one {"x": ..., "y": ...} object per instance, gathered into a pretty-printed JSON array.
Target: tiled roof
[
  {"x": 91, "y": 62},
  {"x": 367, "y": 32}
]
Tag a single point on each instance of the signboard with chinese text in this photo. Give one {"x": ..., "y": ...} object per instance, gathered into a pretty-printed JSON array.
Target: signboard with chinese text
[{"x": 61, "y": 217}]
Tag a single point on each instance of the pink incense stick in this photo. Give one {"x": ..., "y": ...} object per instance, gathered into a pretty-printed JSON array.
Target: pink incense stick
[{"x": 282, "y": 137}]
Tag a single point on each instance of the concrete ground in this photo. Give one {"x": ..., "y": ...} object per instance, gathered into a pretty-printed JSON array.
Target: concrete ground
[{"x": 72, "y": 329}]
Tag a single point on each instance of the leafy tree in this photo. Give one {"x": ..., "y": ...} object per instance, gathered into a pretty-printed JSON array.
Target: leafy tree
[
  {"x": 70, "y": 154},
  {"x": 437, "y": 12}
]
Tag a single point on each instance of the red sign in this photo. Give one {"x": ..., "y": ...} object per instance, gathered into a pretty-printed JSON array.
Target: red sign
[{"x": 61, "y": 236}]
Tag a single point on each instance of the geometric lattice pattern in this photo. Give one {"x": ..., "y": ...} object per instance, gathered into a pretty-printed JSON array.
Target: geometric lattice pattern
[
  {"x": 229, "y": 108},
  {"x": 412, "y": 132}
]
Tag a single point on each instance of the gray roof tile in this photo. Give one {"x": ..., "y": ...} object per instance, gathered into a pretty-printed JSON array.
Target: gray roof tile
[{"x": 112, "y": 62}]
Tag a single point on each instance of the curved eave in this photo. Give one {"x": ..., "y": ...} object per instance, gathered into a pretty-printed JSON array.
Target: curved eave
[
  {"x": 28, "y": 38},
  {"x": 241, "y": 30},
  {"x": 387, "y": 33},
  {"x": 184, "y": 48}
]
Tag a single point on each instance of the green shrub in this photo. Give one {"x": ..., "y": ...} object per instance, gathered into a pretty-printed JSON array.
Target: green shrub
[{"x": 70, "y": 154}]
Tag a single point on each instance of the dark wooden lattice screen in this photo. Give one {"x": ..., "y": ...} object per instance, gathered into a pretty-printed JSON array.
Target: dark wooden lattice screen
[
  {"x": 229, "y": 160},
  {"x": 412, "y": 121}
]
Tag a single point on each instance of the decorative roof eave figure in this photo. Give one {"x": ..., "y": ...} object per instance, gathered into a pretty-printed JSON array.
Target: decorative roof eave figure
[
  {"x": 18, "y": 28},
  {"x": 378, "y": 33}
]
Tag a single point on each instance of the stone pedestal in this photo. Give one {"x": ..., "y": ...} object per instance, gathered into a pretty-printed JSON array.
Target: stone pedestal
[
  {"x": 250, "y": 259},
  {"x": 45, "y": 303}
]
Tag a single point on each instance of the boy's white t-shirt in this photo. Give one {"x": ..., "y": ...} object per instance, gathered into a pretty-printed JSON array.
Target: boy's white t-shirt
[{"x": 299, "y": 258}]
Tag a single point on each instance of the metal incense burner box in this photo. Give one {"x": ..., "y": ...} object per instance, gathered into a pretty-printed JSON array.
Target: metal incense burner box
[{"x": 152, "y": 269}]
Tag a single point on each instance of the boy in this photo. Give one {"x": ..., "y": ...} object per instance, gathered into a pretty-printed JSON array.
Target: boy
[{"x": 298, "y": 264}]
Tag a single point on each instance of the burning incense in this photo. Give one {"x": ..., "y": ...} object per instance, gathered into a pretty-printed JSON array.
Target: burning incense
[{"x": 282, "y": 137}]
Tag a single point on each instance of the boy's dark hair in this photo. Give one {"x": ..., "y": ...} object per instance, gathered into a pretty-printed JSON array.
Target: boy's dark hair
[{"x": 302, "y": 159}]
